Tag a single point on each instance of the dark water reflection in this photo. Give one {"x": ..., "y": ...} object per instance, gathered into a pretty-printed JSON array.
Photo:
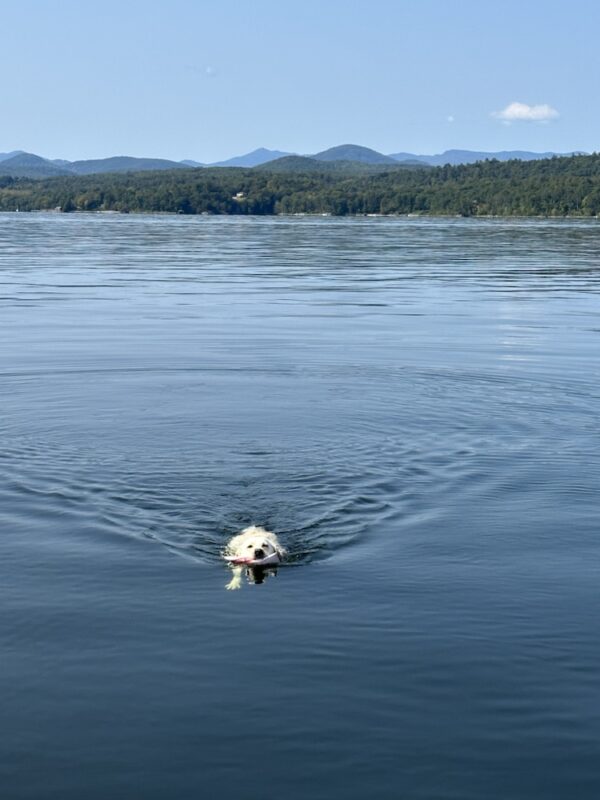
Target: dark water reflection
[{"x": 411, "y": 404}]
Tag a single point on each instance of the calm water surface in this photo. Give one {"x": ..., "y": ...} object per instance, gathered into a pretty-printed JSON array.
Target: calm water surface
[{"x": 411, "y": 404}]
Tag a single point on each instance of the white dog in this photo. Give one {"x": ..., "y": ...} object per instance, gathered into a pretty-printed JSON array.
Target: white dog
[{"x": 253, "y": 549}]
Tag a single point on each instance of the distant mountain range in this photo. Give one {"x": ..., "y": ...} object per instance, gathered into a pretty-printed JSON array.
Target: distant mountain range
[
  {"x": 345, "y": 166},
  {"x": 4, "y": 156},
  {"x": 253, "y": 159},
  {"x": 471, "y": 156},
  {"x": 354, "y": 152},
  {"x": 28, "y": 165}
]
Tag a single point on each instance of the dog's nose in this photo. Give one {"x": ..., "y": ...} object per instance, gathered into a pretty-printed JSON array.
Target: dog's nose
[{"x": 259, "y": 553}]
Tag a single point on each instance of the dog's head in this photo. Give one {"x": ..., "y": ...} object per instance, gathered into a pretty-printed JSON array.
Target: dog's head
[{"x": 259, "y": 544}]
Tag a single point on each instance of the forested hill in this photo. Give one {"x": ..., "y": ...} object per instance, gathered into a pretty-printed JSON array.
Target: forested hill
[{"x": 553, "y": 187}]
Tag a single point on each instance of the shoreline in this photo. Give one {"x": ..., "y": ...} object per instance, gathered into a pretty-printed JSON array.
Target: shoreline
[{"x": 316, "y": 215}]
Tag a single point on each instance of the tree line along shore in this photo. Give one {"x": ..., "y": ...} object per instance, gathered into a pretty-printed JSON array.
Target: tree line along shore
[{"x": 560, "y": 186}]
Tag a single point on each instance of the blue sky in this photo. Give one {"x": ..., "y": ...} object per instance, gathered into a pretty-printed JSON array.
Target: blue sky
[{"x": 208, "y": 80}]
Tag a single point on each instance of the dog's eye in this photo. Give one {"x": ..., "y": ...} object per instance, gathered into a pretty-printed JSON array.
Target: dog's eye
[{"x": 249, "y": 546}]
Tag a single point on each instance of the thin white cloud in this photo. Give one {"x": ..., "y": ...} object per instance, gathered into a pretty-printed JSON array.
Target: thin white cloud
[
  {"x": 450, "y": 118},
  {"x": 521, "y": 112}
]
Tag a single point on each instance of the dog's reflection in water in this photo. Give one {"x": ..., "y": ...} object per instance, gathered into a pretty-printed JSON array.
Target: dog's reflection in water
[
  {"x": 254, "y": 552},
  {"x": 253, "y": 575}
]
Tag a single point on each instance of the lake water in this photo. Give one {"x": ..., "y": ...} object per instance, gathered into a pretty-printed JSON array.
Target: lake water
[{"x": 411, "y": 404}]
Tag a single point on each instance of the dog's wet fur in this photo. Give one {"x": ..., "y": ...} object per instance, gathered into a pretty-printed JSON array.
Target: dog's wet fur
[{"x": 256, "y": 543}]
